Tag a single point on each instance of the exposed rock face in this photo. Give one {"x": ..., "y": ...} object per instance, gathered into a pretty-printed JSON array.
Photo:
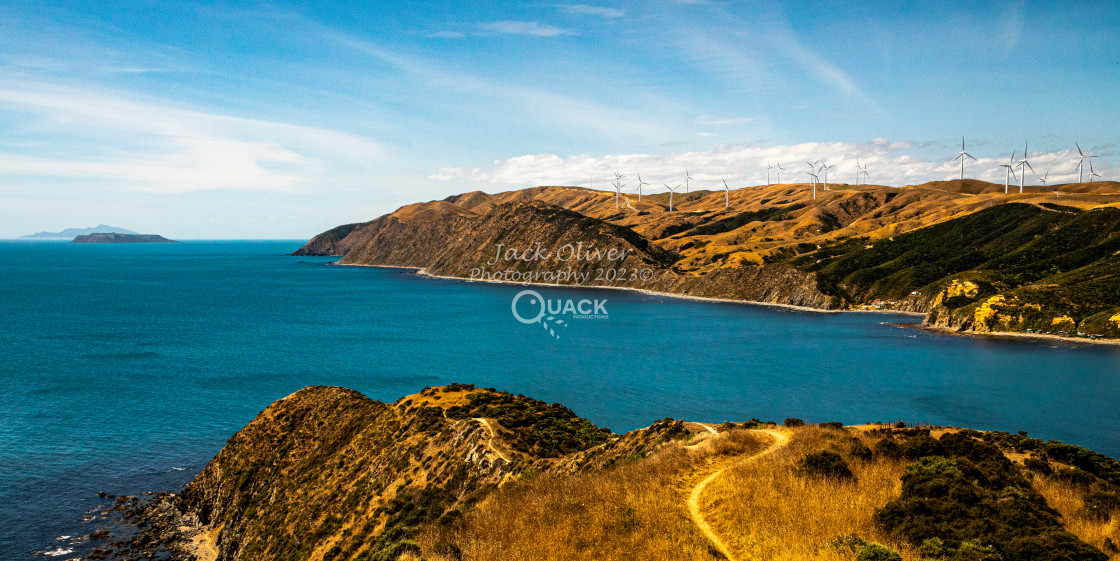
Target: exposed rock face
[{"x": 121, "y": 238}]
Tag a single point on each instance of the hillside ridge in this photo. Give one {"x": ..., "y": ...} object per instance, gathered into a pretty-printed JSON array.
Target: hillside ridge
[{"x": 853, "y": 248}]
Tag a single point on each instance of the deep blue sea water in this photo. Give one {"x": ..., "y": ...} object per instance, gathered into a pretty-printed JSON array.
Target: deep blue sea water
[{"x": 125, "y": 368}]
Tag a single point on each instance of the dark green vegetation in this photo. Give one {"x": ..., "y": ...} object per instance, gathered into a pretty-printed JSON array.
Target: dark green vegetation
[
  {"x": 824, "y": 464},
  {"x": 1046, "y": 262},
  {"x": 1094, "y": 464},
  {"x": 732, "y": 223},
  {"x": 538, "y": 428},
  {"x": 963, "y": 499}
]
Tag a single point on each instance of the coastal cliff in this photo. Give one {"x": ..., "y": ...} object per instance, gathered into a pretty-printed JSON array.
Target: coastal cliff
[
  {"x": 458, "y": 472},
  {"x": 1045, "y": 261}
]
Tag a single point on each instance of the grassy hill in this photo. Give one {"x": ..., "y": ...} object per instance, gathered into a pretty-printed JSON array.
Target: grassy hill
[{"x": 463, "y": 473}]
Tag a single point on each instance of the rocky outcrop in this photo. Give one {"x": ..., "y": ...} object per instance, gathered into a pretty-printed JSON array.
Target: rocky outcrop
[{"x": 327, "y": 243}]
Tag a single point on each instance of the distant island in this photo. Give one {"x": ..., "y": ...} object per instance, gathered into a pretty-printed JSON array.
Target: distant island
[
  {"x": 122, "y": 238},
  {"x": 71, "y": 233}
]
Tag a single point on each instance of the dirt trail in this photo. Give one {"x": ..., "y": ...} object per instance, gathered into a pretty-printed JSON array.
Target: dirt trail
[
  {"x": 490, "y": 443},
  {"x": 780, "y": 440}
]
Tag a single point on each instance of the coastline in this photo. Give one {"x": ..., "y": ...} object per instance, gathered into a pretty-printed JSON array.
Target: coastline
[
  {"x": 421, "y": 271},
  {"x": 1038, "y": 337}
]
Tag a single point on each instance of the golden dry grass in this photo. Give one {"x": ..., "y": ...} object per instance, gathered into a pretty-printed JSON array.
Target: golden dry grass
[
  {"x": 759, "y": 509},
  {"x": 634, "y": 511},
  {"x": 1068, "y": 500},
  {"x": 765, "y": 510}
]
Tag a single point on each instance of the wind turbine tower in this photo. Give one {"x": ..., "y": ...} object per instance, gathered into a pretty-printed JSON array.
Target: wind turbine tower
[
  {"x": 768, "y": 168},
  {"x": 1092, "y": 173},
  {"x": 1081, "y": 162},
  {"x": 726, "y": 195},
  {"x": 1023, "y": 172},
  {"x": 825, "y": 167},
  {"x": 687, "y": 178},
  {"x": 813, "y": 179},
  {"x": 640, "y": 183},
  {"x": 962, "y": 157},
  {"x": 618, "y": 185},
  {"x": 1009, "y": 171},
  {"x": 780, "y": 170},
  {"x": 672, "y": 190}
]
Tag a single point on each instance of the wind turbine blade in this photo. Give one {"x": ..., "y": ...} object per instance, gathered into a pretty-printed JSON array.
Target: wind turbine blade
[{"x": 1079, "y": 150}]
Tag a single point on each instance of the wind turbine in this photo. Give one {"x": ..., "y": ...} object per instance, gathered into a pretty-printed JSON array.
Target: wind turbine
[
  {"x": 1023, "y": 172},
  {"x": 768, "y": 168},
  {"x": 618, "y": 185},
  {"x": 1092, "y": 173},
  {"x": 1081, "y": 162},
  {"x": 825, "y": 167},
  {"x": 858, "y": 171},
  {"x": 813, "y": 181},
  {"x": 640, "y": 183},
  {"x": 672, "y": 190},
  {"x": 1007, "y": 176},
  {"x": 962, "y": 157},
  {"x": 780, "y": 170},
  {"x": 866, "y": 176},
  {"x": 1043, "y": 178},
  {"x": 687, "y": 178},
  {"x": 726, "y": 195}
]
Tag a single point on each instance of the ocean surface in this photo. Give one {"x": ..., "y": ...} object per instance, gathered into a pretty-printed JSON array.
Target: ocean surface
[{"x": 124, "y": 368}]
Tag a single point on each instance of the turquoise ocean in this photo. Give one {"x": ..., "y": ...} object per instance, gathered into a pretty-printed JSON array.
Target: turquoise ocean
[{"x": 125, "y": 368}]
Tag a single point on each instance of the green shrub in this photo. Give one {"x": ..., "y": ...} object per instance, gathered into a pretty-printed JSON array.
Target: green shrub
[
  {"x": 877, "y": 552},
  {"x": 1099, "y": 505},
  {"x": 921, "y": 446},
  {"x": 832, "y": 425},
  {"x": 860, "y": 451},
  {"x": 888, "y": 448},
  {"x": 1038, "y": 465},
  {"x": 824, "y": 464},
  {"x": 850, "y": 543},
  {"x": 791, "y": 423},
  {"x": 932, "y": 548},
  {"x": 980, "y": 507}
]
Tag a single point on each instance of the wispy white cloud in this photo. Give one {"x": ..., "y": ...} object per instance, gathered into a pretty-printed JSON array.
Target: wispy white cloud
[
  {"x": 446, "y": 35},
  {"x": 534, "y": 106},
  {"x": 586, "y": 10},
  {"x": 889, "y": 163},
  {"x": 529, "y": 28},
  {"x": 146, "y": 145}
]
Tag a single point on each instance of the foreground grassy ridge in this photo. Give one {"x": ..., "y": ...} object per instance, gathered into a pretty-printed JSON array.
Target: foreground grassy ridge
[
  {"x": 769, "y": 510},
  {"x": 327, "y": 474},
  {"x": 636, "y": 510}
]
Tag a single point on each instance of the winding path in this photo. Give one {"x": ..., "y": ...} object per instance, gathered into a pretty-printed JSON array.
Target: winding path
[
  {"x": 780, "y": 440},
  {"x": 490, "y": 443}
]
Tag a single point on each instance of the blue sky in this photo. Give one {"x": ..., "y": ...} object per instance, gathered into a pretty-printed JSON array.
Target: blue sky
[{"x": 264, "y": 120}]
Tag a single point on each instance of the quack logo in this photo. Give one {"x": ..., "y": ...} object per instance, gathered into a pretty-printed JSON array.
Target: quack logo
[{"x": 530, "y": 308}]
